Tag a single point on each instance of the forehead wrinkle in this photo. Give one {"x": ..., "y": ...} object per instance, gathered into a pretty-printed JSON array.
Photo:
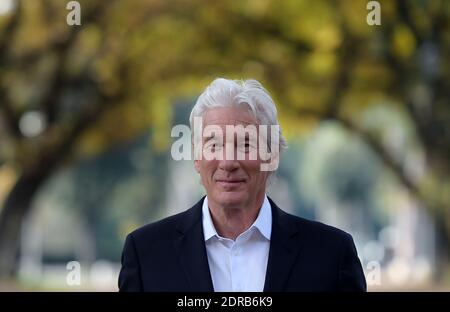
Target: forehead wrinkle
[
  {"x": 223, "y": 125},
  {"x": 229, "y": 116}
]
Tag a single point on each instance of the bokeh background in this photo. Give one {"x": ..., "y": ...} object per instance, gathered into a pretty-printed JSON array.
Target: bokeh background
[{"x": 86, "y": 113}]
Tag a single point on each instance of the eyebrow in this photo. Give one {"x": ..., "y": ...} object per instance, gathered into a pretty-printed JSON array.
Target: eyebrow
[{"x": 206, "y": 139}]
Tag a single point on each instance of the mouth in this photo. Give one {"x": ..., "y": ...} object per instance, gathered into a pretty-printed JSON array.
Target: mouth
[{"x": 229, "y": 183}]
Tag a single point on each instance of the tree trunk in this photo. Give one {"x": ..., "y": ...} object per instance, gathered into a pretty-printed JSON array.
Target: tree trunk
[
  {"x": 15, "y": 208},
  {"x": 17, "y": 203},
  {"x": 442, "y": 226}
]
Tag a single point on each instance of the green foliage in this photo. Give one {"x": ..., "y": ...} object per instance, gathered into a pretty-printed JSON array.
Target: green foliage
[{"x": 118, "y": 74}]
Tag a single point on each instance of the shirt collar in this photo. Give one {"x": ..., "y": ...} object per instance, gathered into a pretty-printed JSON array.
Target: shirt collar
[{"x": 263, "y": 222}]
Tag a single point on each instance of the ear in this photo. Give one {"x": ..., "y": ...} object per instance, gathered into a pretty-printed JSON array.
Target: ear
[
  {"x": 271, "y": 164},
  {"x": 197, "y": 165}
]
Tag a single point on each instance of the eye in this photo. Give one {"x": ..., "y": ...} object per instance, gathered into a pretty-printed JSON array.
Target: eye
[
  {"x": 245, "y": 147},
  {"x": 212, "y": 146}
]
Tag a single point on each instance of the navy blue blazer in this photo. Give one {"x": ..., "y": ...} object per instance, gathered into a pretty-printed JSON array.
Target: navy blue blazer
[{"x": 170, "y": 255}]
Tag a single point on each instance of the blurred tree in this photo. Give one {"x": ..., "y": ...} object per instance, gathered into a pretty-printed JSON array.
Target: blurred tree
[{"x": 70, "y": 91}]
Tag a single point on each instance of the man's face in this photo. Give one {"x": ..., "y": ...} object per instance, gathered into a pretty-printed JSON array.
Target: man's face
[{"x": 231, "y": 182}]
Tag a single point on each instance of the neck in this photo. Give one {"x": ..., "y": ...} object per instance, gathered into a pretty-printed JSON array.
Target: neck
[{"x": 230, "y": 222}]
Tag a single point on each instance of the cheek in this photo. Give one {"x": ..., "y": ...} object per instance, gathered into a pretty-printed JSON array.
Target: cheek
[
  {"x": 207, "y": 169},
  {"x": 252, "y": 168}
]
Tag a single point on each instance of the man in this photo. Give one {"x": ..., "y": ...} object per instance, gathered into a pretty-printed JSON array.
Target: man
[{"x": 236, "y": 238}]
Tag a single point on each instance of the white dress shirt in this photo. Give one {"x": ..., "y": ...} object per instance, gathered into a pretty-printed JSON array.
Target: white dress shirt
[{"x": 239, "y": 265}]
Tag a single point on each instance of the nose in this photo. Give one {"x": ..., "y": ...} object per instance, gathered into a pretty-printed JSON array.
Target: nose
[
  {"x": 228, "y": 165},
  {"x": 229, "y": 162}
]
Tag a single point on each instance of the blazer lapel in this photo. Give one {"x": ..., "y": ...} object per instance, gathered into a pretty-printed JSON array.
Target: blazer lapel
[
  {"x": 190, "y": 245},
  {"x": 284, "y": 249}
]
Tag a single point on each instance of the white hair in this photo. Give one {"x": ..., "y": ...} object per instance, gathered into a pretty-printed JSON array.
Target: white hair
[{"x": 225, "y": 92}]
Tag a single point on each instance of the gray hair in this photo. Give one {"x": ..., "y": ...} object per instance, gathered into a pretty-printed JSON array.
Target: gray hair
[{"x": 225, "y": 92}]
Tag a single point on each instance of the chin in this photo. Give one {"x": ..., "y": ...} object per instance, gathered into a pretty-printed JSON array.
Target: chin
[{"x": 232, "y": 198}]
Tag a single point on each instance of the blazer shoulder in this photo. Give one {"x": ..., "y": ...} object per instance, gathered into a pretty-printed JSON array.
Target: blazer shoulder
[
  {"x": 318, "y": 229},
  {"x": 166, "y": 228},
  {"x": 158, "y": 229}
]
